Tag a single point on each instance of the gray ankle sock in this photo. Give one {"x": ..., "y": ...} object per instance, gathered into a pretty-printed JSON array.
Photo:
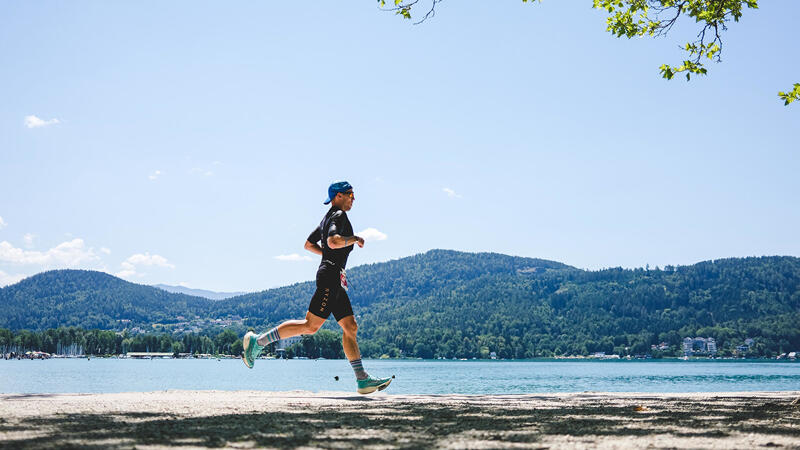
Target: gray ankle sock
[
  {"x": 269, "y": 337},
  {"x": 358, "y": 368}
]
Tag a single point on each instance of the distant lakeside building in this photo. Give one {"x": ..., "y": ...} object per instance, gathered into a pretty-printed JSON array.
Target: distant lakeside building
[
  {"x": 744, "y": 348},
  {"x": 662, "y": 346},
  {"x": 282, "y": 344},
  {"x": 699, "y": 346}
]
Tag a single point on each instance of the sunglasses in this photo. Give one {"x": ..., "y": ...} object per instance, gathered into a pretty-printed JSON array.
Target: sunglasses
[{"x": 350, "y": 194}]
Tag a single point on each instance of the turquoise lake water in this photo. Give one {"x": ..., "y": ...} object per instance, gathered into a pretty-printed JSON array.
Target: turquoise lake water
[{"x": 412, "y": 376}]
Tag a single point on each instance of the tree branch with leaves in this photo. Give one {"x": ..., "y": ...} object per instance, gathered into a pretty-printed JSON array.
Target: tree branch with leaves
[
  {"x": 652, "y": 18},
  {"x": 403, "y": 8}
]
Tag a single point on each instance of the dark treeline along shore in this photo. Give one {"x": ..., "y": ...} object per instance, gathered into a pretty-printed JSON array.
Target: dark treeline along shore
[{"x": 438, "y": 304}]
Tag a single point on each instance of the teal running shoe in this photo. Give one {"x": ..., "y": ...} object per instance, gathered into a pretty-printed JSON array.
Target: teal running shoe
[
  {"x": 251, "y": 349},
  {"x": 369, "y": 385}
]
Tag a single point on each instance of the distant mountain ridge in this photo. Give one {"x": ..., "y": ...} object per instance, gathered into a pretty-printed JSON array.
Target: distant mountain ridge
[
  {"x": 90, "y": 299},
  {"x": 455, "y": 304},
  {"x": 211, "y": 295},
  {"x": 98, "y": 300}
]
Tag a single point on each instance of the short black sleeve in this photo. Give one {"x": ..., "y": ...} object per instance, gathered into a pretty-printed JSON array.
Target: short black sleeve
[
  {"x": 315, "y": 236},
  {"x": 335, "y": 222},
  {"x": 335, "y": 226}
]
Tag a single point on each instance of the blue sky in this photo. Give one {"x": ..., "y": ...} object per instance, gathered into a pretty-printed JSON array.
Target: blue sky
[{"x": 192, "y": 142}]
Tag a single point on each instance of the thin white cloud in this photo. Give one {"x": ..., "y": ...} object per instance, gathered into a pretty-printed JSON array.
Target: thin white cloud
[
  {"x": 128, "y": 271},
  {"x": 201, "y": 171},
  {"x": 28, "y": 239},
  {"x": 154, "y": 176},
  {"x": 371, "y": 234},
  {"x": 294, "y": 257},
  {"x": 66, "y": 254},
  {"x": 147, "y": 259},
  {"x": 8, "y": 279},
  {"x": 130, "y": 267},
  {"x": 3, "y": 223},
  {"x": 451, "y": 193},
  {"x": 105, "y": 250},
  {"x": 35, "y": 122}
]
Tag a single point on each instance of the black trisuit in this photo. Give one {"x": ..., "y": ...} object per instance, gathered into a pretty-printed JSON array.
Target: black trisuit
[{"x": 330, "y": 297}]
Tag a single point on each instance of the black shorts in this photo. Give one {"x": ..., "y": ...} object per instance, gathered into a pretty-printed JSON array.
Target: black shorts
[{"x": 330, "y": 297}]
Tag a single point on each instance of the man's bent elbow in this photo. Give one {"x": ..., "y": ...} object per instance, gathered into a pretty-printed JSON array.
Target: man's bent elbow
[{"x": 332, "y": 243}]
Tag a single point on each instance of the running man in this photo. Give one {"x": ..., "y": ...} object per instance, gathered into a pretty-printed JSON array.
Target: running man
[{"x": 335, "y": 234}]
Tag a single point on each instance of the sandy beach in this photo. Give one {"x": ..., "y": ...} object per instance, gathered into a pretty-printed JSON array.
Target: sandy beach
[{"x": 248, "y": 419}]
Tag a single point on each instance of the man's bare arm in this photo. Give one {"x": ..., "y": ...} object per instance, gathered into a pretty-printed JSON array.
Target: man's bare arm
[
  {"x": 337, "y": 241},
  {"x": 313, "y": 247}
]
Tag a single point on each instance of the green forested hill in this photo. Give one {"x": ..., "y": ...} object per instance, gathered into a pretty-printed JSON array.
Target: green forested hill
[
  {"x": 392, "y": 283},
  {"x": 614, "y": 311},
  {"x": 454, "y": 304},
  {"x": 90, "y": 299}
]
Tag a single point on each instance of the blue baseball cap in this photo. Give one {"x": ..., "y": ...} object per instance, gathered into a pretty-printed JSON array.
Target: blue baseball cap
[{"x": 335, "y": 188}]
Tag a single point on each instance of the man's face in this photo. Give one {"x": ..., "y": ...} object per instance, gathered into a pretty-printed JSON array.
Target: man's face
[{"x": 346, "y": 200}]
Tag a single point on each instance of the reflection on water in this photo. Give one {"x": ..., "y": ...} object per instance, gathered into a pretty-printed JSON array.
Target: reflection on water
[{"x": 412, "y": 376}]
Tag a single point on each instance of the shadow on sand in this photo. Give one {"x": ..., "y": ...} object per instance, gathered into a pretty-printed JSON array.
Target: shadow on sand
[{"x": 408, "y": 424}]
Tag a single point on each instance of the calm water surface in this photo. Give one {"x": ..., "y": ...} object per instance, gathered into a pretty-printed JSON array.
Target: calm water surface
[{"x": 412, "y": 376}]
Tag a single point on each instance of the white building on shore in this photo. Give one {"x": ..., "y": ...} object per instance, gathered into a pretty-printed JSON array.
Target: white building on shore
[
  {"x": 699, "y": 346},
  {"x": 283, "y": 344}
]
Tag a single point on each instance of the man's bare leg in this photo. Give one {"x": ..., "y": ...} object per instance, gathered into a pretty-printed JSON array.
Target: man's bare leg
[
  {"x": 349, "y": 341},
  {"x": 350, "y": 346},
  {"x": 290, "y": 328},
  {"x": 366, "y": 384},
  {"x": 253, "y": 344}
]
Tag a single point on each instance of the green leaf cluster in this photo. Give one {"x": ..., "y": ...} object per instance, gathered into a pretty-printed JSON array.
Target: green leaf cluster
[
  {"x": 789, "y": 97},
  {"x": 400, "y": 8},
  {"x": 627, "y": 18},
  {"x": 632, "y": 18}
]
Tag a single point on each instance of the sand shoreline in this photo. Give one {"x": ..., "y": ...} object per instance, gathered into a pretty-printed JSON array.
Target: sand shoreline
[{"x": 245, "y": 419}]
